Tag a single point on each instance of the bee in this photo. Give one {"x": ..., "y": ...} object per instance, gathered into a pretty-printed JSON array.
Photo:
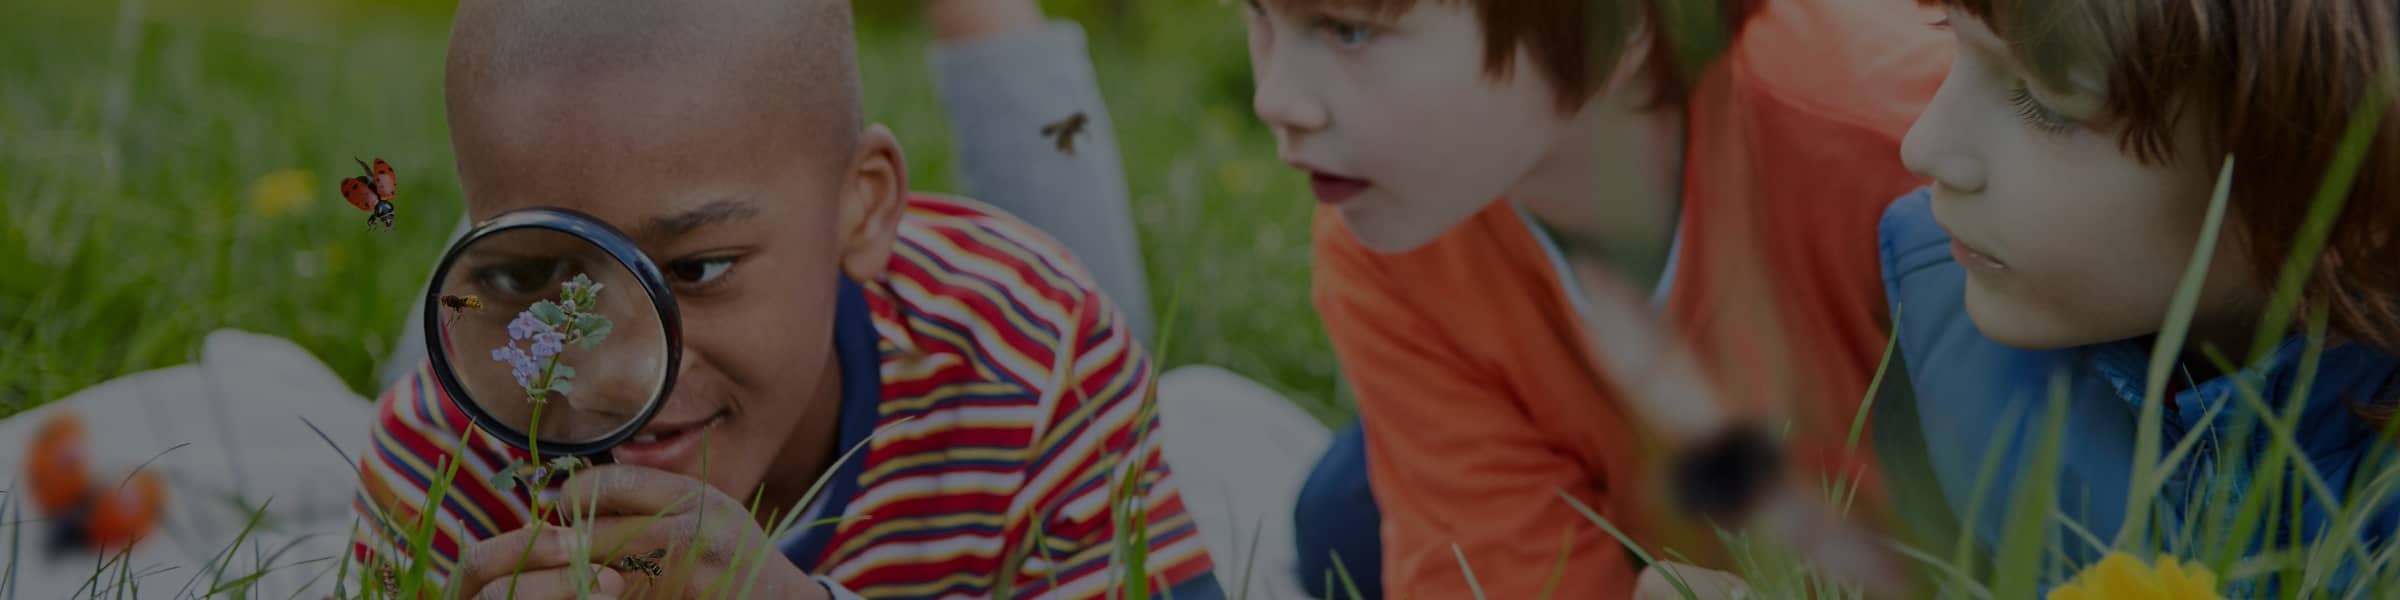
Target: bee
[
  {"x": 459, "y": 305},
  {"x": 1065, "y": 130},
  {"x": 388, "y": 577},
  {"x": 646, "y": 563},
  {"x": 373, "y": 192}
]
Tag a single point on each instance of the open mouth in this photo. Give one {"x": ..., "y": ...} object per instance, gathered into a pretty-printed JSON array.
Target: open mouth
[
  {"x": 667, "y": 445},
  {"x": 1332, "y": 189}
]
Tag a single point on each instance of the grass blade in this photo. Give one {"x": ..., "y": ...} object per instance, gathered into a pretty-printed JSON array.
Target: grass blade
[
  {"x": 1965, "y": 579},
  {"x": 2146, "y": 478},
  {"x": 1673, "y": 578},
  {"x": 1342, "y": 572},
  {"x": 1250, "y": 560},
  {"x": 1858, "y": 423},
  {"x": 1558, "y": 571},
  {"x": 1472, "y": 584},
  {"x": 2017, "y": 570}
]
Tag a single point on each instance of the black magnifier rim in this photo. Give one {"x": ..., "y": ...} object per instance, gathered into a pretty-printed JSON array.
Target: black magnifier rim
[{"x": 597, "y": 233}]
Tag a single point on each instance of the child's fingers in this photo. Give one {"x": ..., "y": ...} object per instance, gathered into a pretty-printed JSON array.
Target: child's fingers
[
  {"x": 556, "y": 584},
  {"x": 621, "y": 489},
  {"x": 530, "y": 549}
]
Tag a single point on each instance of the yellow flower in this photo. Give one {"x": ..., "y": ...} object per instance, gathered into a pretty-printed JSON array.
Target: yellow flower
[
  {"x": 282, "y": 192},
  {"x": 2123, "y": 577}
]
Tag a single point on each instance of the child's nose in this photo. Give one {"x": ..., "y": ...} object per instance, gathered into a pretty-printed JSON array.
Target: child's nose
[
  {"x": 1940, "y": 144},
  {"x": 1284, "y": 100}
]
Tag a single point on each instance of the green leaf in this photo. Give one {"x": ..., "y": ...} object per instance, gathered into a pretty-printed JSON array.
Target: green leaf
[
  {"x": 562, "y": 387},
  {"x": 590, "y": 329},
  {"x": 549, "y": 312},
  {"x": 505, "y": 479},
  {"x": 562, "y": 373}
]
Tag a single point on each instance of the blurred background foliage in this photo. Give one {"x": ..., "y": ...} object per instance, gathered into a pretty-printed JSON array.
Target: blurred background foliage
[{"x": 169, "y": 168}]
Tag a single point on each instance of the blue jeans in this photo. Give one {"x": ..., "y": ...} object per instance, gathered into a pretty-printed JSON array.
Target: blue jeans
[{"x": 1336, "y": 516}]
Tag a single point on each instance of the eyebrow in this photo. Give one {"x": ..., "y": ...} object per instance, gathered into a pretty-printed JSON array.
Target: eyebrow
[{"x": 720, "y": 211}]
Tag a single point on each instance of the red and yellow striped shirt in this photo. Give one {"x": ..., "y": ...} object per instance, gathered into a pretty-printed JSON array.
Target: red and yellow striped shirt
[{"x": 1009, "y": 401}]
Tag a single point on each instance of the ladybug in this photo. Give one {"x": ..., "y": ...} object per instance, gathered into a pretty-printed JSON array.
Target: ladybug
[
  {"x": 83, "y": 512},
  {"x": 373, "y": 192}
]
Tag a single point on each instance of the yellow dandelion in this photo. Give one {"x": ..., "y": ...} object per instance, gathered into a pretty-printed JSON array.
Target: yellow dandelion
[
  {"x": 282, "y": 192},
  {"x": 2120, "y": 576}
]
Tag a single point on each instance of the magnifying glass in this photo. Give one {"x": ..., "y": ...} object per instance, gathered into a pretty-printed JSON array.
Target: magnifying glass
[{"x": 553, "y": 332}]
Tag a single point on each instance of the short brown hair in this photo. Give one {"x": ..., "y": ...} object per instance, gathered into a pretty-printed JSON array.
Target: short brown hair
[
  {"x": 2272, "y": 82},
  {"x": 1574, "y": 43}
]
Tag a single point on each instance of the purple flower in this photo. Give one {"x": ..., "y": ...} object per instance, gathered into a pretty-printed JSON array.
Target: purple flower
[
  {"x": 519, "y": 364},
  {"x": 568, "y": 306},
  {"x": 548, "y": 343},
  {"x": 525, "y": 326}
]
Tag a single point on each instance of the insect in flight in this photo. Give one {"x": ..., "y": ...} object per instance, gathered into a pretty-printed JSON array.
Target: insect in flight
[
  {"x": 646, "y": 563},
  {"x": 459, "y": 305},
  {"x": 83, "y": 512},
  {"x": 373, "y": 192},
  {"x": 1065, "y": 130}
]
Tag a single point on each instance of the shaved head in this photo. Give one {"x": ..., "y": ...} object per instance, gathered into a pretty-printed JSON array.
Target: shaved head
[
  {"x": 724, "y": 137},
  {"x": 561, "y": 77}
]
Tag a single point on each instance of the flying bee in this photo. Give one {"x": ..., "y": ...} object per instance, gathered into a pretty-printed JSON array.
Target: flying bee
[
  {"x": 1064, "y": 131},
  {"x": 459, "y": 305},
  {"x": 646, "y": 563}
]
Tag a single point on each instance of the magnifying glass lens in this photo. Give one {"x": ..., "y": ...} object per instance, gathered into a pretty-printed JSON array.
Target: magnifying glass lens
[{"x": 550, "y": 336}]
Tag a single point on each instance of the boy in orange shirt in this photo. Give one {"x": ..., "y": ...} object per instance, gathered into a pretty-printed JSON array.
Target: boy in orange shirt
[{"x": 1499, "y": 177}]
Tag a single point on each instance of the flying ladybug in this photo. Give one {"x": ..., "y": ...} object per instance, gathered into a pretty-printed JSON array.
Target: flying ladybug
[
  {"x": 84, "y": 512},
  {"x": 373, "y": 192}
]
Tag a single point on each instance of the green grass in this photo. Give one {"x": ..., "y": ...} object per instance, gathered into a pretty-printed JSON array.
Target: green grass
[{"x": 128, "y": 232}]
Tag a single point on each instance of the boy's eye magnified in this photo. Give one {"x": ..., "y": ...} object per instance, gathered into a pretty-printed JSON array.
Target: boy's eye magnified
[{"x": 522, "y": 277}]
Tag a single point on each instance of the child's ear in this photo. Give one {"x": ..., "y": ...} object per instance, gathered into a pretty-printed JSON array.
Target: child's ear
[{"x": 873, "y": 194}]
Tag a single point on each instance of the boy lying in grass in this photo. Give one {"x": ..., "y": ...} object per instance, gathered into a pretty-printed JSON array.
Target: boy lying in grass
[
  {"x": 2074, "y": 148},
  {"x": 1499, "y": 177},
  {"x": 821, "y": 301}
]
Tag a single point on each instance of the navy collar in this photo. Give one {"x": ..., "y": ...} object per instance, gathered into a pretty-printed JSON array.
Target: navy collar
[{"x": 854, "y": 349}]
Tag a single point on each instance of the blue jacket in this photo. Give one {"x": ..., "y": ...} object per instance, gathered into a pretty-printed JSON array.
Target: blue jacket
[{"x": 1969, "y": 390}]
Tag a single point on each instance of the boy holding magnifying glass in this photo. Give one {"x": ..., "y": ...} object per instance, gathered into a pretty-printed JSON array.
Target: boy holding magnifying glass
[{"x": 818, "y": 298}]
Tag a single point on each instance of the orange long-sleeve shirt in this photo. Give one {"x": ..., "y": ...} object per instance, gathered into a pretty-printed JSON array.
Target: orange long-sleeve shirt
[{"x": 1473, "y": 375}]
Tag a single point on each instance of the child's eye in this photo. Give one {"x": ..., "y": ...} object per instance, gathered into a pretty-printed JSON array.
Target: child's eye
[
  {"x": 2034, "y": 113},
  {"x": 1347, "y": 34},
  {"x": 521, "y": 278},
  {"x": 699, "y": 272}
]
